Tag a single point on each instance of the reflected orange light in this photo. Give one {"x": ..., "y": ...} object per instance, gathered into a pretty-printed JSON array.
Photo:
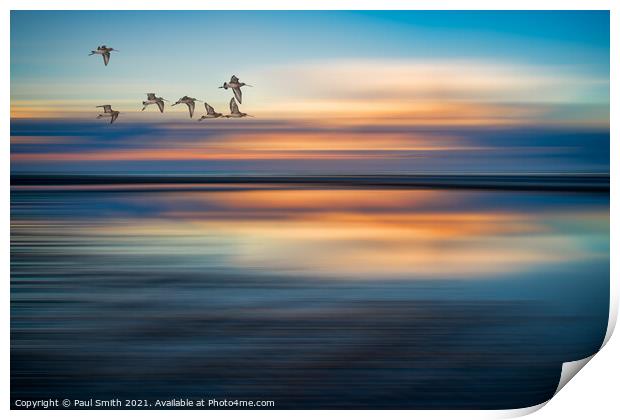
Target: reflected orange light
[{"x": 362, "y": 235}]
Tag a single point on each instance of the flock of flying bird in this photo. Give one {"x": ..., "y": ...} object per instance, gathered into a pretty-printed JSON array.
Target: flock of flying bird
[{"x": 152, "y": 99}]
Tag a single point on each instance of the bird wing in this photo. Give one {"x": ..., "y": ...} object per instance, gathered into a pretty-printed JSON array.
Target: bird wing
[
  {"x": 114, "y": 117},
  {"x": 160, "y": 105},
  {"x": 209, "y": 109},
  {"x": 234, "y": 79},
  {"x": 150, "y": 96},
  {"x": 234, "y": 109},
  {"x": 106, "y": 108},
  {"x": 106, "y": 57},
  {"x": 191, "y": 106},
  {"x": 237, "y": 92}
]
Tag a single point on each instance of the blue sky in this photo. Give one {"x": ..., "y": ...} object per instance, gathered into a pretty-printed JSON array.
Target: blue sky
[
  {"x": 359, "y": 91},
  {"x": 167, "y": 48}
]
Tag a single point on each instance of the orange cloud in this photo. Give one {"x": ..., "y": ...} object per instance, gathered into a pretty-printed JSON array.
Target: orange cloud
[{"x": 278, "y": 145}]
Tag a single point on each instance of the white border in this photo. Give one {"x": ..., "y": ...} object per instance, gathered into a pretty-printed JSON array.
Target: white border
[{"x": 599, "y": 392}]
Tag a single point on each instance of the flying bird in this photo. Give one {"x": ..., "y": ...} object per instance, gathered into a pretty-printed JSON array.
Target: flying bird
[
  {"x": 152, "y": 99},
  {"x": 234, "y": 110},
  {"x": 105, "y": 53},
  {"x": 235, "y": 85},
  {"x": 210, "y": 113},
  {"x": 108, "y": 112},
  {"x": 190, "y": 102}
]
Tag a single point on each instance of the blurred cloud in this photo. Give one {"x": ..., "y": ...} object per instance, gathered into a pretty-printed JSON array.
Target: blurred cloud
[
  {"x": 365, "y": 91},
  {"x": 302, "y": 146},
  {"x": 459, "y": 79},
  {"x": 440, "y": 91}
]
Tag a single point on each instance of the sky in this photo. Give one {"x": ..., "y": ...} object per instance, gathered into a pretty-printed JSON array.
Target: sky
[{"x": 349, "y": 85}]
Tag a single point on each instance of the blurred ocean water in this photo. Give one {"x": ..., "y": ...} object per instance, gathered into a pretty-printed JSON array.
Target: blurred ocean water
[{"x": 309, "y": 296}]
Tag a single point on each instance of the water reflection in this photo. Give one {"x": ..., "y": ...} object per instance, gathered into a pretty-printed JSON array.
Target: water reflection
[{"x": 314, "y": 298}]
